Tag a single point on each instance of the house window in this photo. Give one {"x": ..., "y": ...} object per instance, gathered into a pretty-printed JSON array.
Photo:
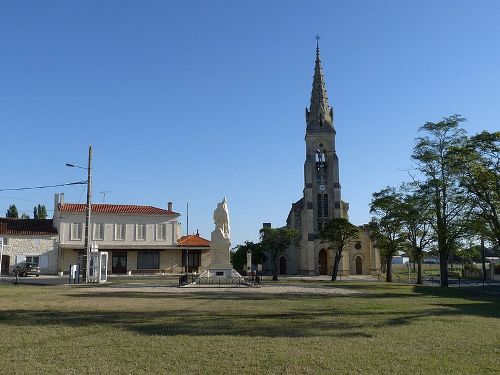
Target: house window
[
  {"x": 194, "y": 259},
  {"x": 76, "y": 231},
  {"x": 140, "y": 232},
  {"x": 5, "y": 242},
  {"x": 119, "y": 232},
  {"x": 148, "y": 260},
  {"x": 33, "y": 259},
  {"x": 98, "y": 231},
  {"x": 161, "y": 232}
]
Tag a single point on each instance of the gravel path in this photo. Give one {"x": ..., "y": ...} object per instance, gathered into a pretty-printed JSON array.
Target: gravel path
[{"x": 265, "y": 289}]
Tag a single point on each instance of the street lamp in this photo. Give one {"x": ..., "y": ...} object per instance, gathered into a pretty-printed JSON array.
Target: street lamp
[{"x": 88, "y": 210}]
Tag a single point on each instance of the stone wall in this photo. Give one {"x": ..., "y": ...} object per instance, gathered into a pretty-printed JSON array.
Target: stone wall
[{"x": 45, "y": 247}]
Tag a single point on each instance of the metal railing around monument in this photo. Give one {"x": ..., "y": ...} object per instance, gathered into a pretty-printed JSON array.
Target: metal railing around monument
[{"x": 199, "y": 280}]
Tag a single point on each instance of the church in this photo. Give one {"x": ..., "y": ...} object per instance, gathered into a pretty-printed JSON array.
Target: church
[{"x": 322, "y": 199}]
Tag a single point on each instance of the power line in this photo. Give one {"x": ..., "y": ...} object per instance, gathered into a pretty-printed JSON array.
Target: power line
[{"x": 45, "y": 186}]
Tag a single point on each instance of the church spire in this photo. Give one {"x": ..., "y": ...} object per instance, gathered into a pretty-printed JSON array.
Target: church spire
[{"x": 319, "y": 111}]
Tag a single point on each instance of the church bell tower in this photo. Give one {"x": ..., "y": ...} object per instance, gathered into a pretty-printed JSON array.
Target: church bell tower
[{"x": 321, "y": 168}]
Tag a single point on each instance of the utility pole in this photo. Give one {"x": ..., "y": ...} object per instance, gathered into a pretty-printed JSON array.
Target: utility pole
[
  {"x": 1, "y": 255},
  {"x": 187, "y": 237},
  {"x": 85, "y": 260}
]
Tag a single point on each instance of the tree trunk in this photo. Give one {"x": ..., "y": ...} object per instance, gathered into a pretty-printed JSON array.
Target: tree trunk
[
  {"x": 483, "y": 258},
  {"x": 275, "y": 269},
  {"x": 419, "y": 272},
  {"x": 443, "y": 254},
  {"x": 336, "y": 263},
  {"x": 388, "y": 275},
  {"x": 443, "y": 268}
]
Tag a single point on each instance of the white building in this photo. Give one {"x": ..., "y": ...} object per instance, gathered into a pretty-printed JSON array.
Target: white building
[
  {"x": 29, "y": 240},
  {"x": 139, "y": 239}
]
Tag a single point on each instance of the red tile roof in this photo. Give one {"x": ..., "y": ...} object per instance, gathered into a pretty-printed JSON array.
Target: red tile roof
[
  {"x": 115, "y": 209},
  {"x": 27, "y": 226},
  {"x": 193, "y": 240}
]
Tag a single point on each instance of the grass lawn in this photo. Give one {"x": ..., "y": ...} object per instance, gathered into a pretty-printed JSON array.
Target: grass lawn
[{"x": 388, "y": 329}]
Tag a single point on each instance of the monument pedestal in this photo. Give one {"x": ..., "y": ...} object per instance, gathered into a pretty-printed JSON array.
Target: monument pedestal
[{"x": 220, "y": 264}]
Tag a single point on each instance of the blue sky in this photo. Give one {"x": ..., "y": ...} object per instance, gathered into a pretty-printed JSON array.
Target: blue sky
[{"x": 190, "y": 101}]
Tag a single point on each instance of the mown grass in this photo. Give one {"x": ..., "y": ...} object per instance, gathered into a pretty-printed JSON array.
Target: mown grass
[{"x": 387, "y": 329}]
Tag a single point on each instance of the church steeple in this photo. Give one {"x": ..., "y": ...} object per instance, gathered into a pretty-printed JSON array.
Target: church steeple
[{"x": 319, "y": 112}]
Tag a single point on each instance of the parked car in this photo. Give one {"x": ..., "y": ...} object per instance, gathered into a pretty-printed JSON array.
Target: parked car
[{"x": 26, "y": 268}]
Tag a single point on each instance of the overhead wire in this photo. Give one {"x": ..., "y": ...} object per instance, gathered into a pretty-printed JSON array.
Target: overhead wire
[{"x": 45, "y": 186}]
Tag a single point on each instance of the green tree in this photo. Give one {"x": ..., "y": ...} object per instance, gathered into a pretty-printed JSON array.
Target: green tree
[
  {"x": 24, "y": 215},
  {"x": 416, "y": 217},
  {"x": 239, "y": 255},
  {"x": 338, "y": 232},
  {"x": 274, "y": 242},
  {"x": 386, "y": 226},
  {"x": 39, "y": 212},
  {"x": 479, "y": 168},
  {"x": 437, "y": 162},
  {"x": 12, "y": 212}
]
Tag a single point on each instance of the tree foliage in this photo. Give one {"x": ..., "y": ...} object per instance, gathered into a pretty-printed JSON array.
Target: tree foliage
[
  {"x": 436, "y": 161},
  {"x": 239, "y": 255},
  {"x": 12, "y": 212},
  {"x": 39, "y": 212},
  {"x": 338, "y": 232},
  {"x": 479, "y": 170},
  {"x": 416, "y": 218},
  {"x": 274, "y": 242},
  {"x": 386, "y": 226}
]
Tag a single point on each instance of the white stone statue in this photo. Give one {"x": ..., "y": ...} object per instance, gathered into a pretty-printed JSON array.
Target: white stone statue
[{"x": 221, "y": 219}]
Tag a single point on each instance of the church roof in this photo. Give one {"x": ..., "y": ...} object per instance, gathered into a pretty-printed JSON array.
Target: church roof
[{"x": 319, "y": 110}]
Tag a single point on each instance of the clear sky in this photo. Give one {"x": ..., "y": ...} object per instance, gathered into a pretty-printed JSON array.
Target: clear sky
[{"x": 191, "y": 101}]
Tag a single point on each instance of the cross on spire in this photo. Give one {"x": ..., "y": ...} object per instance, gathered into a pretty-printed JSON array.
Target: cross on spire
[{"x": 319, "y": 110}]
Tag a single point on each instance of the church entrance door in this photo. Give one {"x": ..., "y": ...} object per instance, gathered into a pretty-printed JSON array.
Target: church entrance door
[
  {"x": 359, "y": 266},
  {"x": 323, "y": 262},
  {"x": 282, "y": 266}
]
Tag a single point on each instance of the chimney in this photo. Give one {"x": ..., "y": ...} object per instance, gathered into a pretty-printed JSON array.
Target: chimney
[
  {"x": 169, "y": 205},
  {"x": 266, "y": 225},
  {"x": 197, "y": 233},
  {"x": 61, "y": 199},
  {"x": 56, "y": 202}
]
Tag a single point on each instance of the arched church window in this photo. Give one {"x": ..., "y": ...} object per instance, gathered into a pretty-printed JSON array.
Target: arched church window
[
  {"x": 320, "y": 207},
  {"x": 321, "y": 170},
  {"x": 325, "y": 205}
]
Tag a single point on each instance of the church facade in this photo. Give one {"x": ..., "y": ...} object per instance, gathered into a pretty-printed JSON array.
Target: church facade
[{"x": 322, "y": 199}]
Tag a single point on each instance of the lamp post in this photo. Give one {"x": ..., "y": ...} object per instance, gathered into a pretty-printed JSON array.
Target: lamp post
[{"x": 87, "y": 211}]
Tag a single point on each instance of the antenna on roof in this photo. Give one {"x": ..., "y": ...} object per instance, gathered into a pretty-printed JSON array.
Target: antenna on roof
[{"x": 104, "y": 195}]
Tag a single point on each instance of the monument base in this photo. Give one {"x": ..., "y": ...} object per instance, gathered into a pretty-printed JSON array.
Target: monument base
[{"x": 222, "y": 272}]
